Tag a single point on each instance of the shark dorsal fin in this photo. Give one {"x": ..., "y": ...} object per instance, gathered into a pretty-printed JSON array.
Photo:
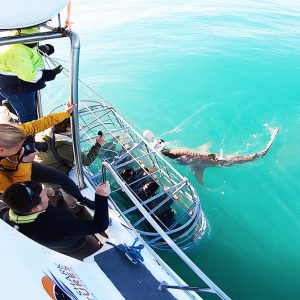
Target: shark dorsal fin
[{"x": 204, "y": 149}]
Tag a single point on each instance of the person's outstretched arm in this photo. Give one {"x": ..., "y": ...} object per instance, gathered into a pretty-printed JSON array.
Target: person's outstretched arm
[
  {"x": 101, "y": 217},
  {"x": 88, "y": 158},
  {"x": 65, "y": 225},
  {"x": 36, "y": 126}
]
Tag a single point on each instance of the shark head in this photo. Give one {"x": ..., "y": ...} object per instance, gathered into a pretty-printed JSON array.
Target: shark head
[{"x": 169, "y": 154}]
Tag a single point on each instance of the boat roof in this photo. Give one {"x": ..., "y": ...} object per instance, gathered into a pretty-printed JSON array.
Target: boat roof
[{"x": 18, "y": 14}]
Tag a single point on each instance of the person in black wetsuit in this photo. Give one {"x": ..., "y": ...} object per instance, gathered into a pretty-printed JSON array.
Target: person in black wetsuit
[
  {"x": 29, "y": 212},
  {"x": 164, "y": 213}
]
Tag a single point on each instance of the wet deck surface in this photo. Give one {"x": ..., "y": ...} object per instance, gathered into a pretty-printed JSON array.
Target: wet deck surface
[{"x": 134, "y": 282}]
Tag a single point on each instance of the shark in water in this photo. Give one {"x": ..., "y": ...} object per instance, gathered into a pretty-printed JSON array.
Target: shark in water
[{"x": 198, "y": 161}]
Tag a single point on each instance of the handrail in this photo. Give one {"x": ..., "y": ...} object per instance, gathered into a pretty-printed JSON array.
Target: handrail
[
  {"x": 7, "y": 40},
  {"x": 39, "y": 108},
  {"x": 167, "y": 239},
  {"x": 75, "y": 52}
]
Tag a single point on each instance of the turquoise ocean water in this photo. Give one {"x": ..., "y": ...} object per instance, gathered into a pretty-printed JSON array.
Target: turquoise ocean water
[{"x": 218, "y": 72}]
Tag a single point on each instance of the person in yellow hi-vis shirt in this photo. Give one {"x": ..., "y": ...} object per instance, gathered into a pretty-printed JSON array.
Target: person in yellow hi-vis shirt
[{"x": 22, "y": 73}]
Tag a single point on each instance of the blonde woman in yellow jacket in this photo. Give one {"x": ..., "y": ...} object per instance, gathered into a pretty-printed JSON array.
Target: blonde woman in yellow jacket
[{"x": 15, "y": 167}]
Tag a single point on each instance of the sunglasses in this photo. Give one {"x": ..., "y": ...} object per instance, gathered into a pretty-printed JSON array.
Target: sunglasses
[{"x": 35, "y": 200}]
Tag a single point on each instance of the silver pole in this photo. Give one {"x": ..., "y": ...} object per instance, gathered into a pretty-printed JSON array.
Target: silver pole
[
  {"x": 38, "y": 101},
  {"x": 166, "y": 238},
  {"x": 30, "y": 38},
  {"x": 75, "y": 51}
]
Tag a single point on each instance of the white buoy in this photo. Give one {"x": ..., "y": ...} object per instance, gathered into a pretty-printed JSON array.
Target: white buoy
[
  {"x": 149, "y": 135},
  {"x": 157, "y": 144}
]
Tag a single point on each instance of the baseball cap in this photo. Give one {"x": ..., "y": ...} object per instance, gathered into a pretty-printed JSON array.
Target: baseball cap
[{"x": 21, "y": 197}]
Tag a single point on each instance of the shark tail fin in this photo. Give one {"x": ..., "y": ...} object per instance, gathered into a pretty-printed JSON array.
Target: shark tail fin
[{"x": 274, "y": 132}]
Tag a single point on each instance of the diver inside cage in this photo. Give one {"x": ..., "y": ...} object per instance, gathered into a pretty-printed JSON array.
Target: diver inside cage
[
  {"x": 147, "y": 188},
  {"x": 164, "y": 212},
  {"x": 136, "y": 178}
]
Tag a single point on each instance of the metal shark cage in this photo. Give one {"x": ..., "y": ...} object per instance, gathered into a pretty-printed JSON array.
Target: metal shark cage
[{"x": 175, "y": 206}]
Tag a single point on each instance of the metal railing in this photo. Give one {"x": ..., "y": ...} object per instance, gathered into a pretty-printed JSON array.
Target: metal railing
[
  {"x": 75, "y": 51},
  {"x": 213, "y": 288}
]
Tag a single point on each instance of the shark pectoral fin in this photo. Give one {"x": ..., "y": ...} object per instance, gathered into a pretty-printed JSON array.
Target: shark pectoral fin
[{"x": 198, "y": 172}]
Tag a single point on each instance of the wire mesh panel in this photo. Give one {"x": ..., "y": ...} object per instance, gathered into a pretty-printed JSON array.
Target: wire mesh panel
[{"x": 163, "y": 192}]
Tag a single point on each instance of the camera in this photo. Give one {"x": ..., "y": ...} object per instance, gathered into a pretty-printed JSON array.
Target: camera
[{"x": 30, "y": 147}]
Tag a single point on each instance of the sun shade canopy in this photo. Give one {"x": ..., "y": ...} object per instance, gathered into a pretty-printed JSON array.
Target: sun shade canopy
[{"x": 21, "y": 14}]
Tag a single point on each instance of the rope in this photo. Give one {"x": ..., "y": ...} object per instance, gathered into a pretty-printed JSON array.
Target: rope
[
  {"x": 133, "y": 253},
  {"x": 67, "y": 22},
  {"x": 66, "y": 72}
]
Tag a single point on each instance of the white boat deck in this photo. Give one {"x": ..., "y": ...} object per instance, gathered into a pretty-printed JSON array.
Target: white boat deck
[{"x": 26, "y": 262}]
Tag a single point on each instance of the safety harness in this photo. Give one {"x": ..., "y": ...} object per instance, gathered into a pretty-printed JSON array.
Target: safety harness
[{"x": 58, "y": 157}]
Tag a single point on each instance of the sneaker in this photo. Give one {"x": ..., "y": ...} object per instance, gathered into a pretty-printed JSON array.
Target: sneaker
[{"x": 88, "y": 203}]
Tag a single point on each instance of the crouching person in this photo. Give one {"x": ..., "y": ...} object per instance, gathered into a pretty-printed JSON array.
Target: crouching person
[
  {"x": 28, "y": 211},
  {"x": 60, "y": 156}
]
